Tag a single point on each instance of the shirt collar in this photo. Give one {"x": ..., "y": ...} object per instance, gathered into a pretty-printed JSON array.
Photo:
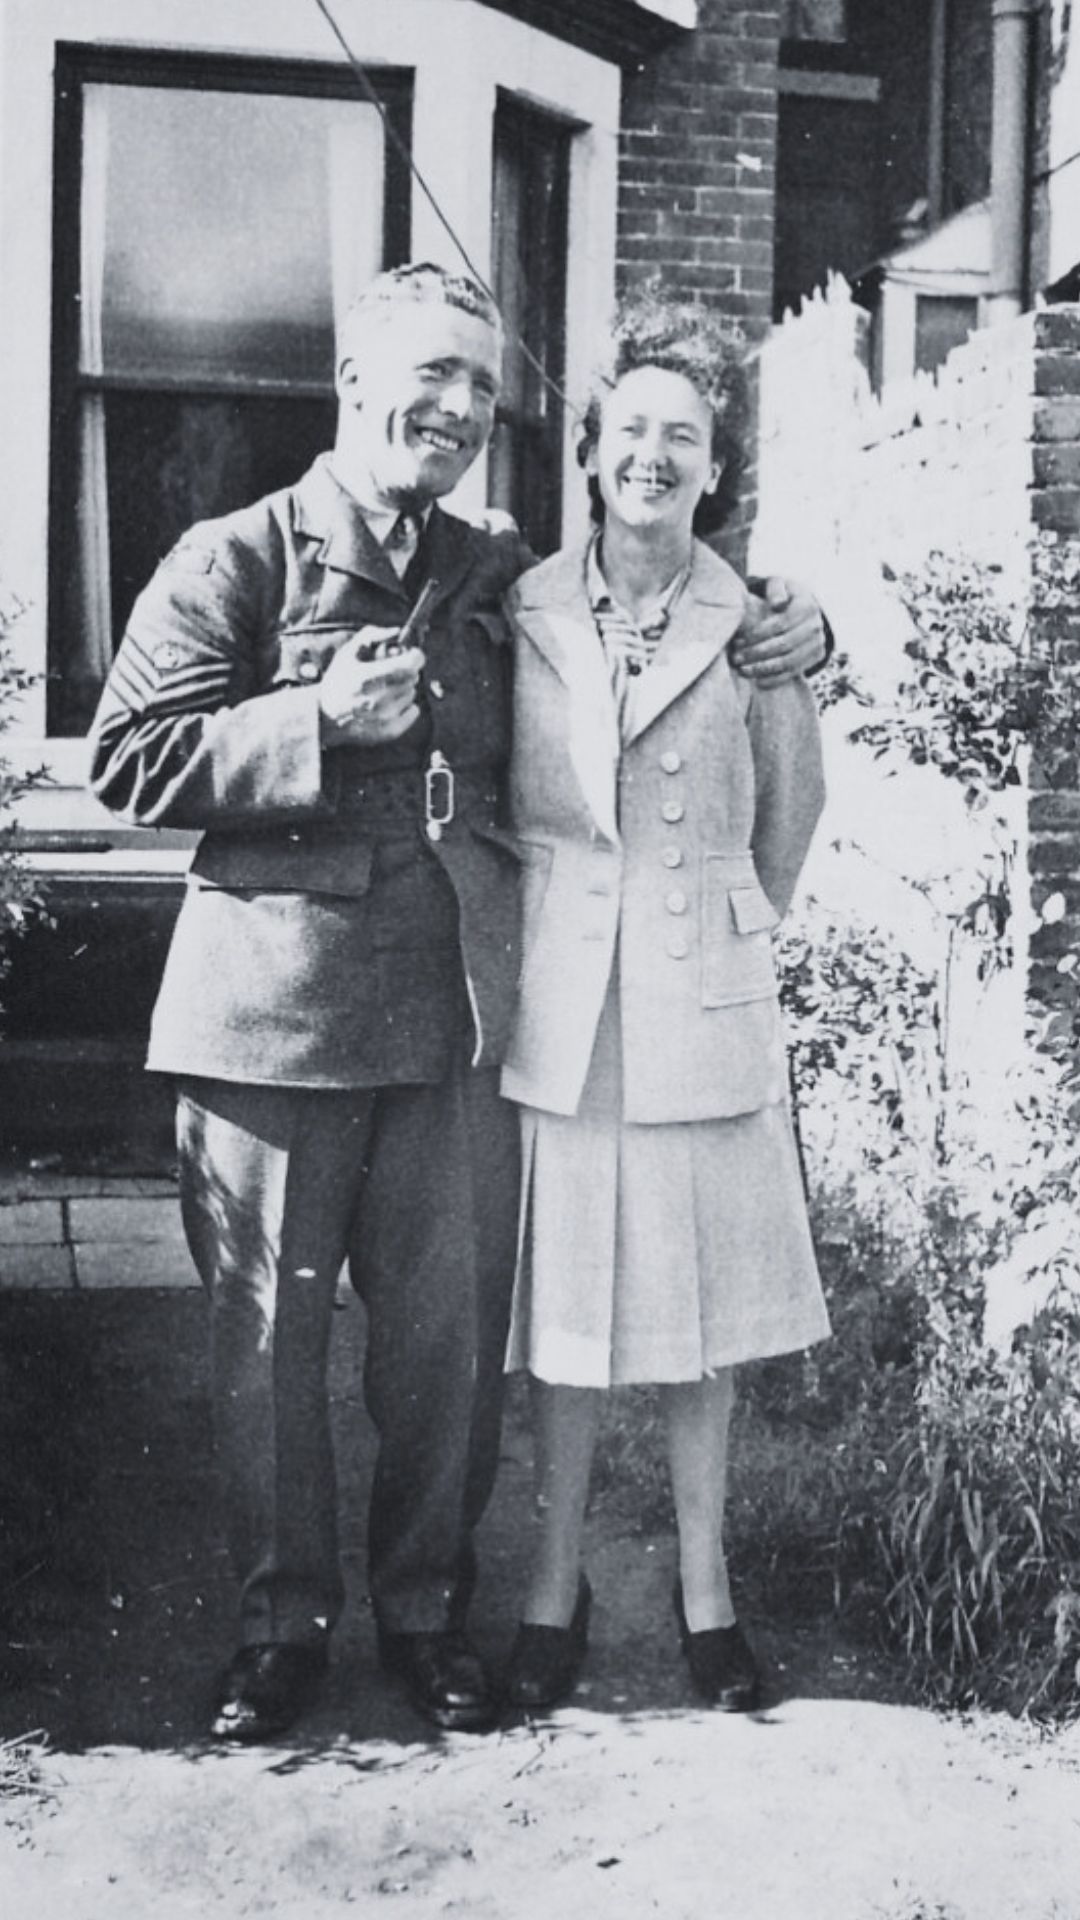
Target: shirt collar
[
  {"x": 378, "y": 516},
  {"x": 602, "y": 600}
]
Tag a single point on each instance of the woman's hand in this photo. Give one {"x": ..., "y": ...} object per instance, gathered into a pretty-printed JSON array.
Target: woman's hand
[{"x": 783, "y": 634}]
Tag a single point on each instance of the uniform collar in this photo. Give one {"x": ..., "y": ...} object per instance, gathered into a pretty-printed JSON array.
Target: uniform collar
[{"x": 326, "y": 511}]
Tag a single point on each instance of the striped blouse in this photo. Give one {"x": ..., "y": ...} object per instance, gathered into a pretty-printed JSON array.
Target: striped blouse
[{"x": 629, "y": 644}]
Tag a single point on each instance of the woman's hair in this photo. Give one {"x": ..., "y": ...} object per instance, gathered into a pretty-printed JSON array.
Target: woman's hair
[{"x": 680, "y": 336}]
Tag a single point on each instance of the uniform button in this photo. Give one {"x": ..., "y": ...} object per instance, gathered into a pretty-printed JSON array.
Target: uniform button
[
  {"x": 678, "y": 946},
  {"x": 672, "y": 811},
  {"x": 676, "y": 901},
  {"x": 308, "y": 669},
  {"x": 168, "y": 656},
  {"x": 670, "y": 760},
  {"x": 672, "y": 856}
]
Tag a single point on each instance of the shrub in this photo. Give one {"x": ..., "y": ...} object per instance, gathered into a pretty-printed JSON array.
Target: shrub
[{"x": 20, "y": 897}]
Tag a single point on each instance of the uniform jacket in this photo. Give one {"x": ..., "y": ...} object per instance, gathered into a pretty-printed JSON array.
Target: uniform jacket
[
  {"x": 662, "y": 866},
  {"x": 324, "y": 940}
]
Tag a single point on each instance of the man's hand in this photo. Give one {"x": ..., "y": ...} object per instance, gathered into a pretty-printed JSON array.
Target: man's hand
[
  {"x": 363, "y": 701},
  {"x": 781, "y": 635}
]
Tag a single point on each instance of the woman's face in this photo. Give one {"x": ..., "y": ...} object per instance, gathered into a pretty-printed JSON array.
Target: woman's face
[{"x": 653, "y": 456}]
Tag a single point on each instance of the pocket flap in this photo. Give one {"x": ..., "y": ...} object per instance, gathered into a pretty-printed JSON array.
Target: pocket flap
[
  {"x": 304, "y": 653},
  {"x": 751, "y": 910},
  {"x": 500, "y": 837},
  {"x": 302, "y": 860}
]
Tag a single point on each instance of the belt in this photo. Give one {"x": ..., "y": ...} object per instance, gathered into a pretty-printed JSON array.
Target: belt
[{"x": 429, "y": 796}]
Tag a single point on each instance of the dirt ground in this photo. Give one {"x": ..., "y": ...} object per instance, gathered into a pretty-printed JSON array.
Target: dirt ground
[{"x": 837, "y": 1800}]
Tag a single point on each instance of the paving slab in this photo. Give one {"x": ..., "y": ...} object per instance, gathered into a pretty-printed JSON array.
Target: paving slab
[
  {"x": 56, "y": 1183},
  {"x": 128, "y": 1217},
  {"x": 32, "y": 1222},
  {"x": 36, "y": 1265},
  {"x": 133, "y": 1263}
]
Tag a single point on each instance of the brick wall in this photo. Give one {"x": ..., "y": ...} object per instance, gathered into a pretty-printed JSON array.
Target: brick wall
[
  {"x": 1054, "y": 809},
  {"x": 698, "y": 159}
]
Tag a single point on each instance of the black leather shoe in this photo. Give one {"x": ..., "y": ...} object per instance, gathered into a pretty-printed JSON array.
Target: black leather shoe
[
  {"x": 265, "y": 1688},
  {"x": 444, "y": 1676},
  {"x": 545, "y": 1661},
  {"x": 722, "y": 1664}
]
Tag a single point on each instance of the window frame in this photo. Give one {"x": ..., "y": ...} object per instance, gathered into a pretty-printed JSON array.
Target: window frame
[
  {"x": 514, "y": 117},
  {"x": 77, "y": 66}
]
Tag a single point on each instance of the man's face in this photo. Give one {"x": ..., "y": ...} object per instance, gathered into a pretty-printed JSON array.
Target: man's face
[{"x": 418, "y": 396}]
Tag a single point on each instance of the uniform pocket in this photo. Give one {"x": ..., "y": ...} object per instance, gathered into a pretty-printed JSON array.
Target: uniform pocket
[
  {"x": 305, "y": 859},
  {"x": 737, "y": 959},
  {"x": 304, "y": 653}
]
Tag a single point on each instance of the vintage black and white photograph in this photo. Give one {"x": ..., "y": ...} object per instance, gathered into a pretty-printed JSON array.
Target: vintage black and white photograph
[{"x": 540, "y": 959}]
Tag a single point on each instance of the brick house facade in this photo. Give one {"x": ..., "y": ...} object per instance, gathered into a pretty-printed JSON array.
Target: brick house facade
[{"x": 578, "y": 147}]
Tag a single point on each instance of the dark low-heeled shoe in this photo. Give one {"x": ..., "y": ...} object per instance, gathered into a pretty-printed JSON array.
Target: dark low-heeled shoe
[
  {"x": 265, "y": 1688},
  {"x": 721, "y": 1662},
  {"x": 444, "y": 1676},
  {"x": 545, "y": 1661}
]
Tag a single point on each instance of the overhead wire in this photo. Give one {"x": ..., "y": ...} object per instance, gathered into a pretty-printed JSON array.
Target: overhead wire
[{"x": 402, "y": 148}]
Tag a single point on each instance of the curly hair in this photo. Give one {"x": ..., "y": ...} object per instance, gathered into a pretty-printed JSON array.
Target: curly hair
[{"x": 651, "y": 329}]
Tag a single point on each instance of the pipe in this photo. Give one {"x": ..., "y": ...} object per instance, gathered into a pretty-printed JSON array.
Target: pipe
[{"x": 1010, "y": 146}]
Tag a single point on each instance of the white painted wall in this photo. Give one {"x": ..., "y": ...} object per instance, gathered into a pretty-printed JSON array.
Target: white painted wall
[
  {"x": 460, "y": 52},
  {"x": 1064, "y": 154}
]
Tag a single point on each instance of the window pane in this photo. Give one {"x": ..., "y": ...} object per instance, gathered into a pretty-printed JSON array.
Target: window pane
[
  {"x": 223, "y": 231},
  {"x": 821, "y": 20},
  {"x": 174, "y": 459},
  {"x": 942, "y": 322},
  {"x": 166, "y": 461}
]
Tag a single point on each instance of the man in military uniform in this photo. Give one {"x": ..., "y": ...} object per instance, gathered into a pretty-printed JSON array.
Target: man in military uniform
[{"x": 339, "y": 986}]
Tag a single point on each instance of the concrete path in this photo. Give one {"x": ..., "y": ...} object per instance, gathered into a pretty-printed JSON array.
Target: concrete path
[{"x": 837, "y": 1802}]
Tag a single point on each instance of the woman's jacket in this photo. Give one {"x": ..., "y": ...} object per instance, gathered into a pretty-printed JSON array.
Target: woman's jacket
[{"x": 660, "y": 863}]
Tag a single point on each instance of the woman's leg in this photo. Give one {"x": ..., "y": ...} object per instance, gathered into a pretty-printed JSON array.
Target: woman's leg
[
  {"x": 698, "y": 1417},
  {"x": 565, "y": 1421}
]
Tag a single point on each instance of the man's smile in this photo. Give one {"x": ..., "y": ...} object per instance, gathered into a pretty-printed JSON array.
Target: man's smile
[{"x": 441, "y": 442}]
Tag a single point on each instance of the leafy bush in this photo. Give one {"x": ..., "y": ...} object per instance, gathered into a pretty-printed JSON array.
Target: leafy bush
[
  {"x": 20, "y": 898},
  {"x": 952, "y": 1388}
]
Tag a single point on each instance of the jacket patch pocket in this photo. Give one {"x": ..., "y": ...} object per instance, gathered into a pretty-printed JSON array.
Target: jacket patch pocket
[{"x": 736, "y": 948}]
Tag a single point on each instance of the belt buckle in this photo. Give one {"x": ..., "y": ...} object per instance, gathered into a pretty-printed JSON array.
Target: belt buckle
[{"x": 438, "y": 800}]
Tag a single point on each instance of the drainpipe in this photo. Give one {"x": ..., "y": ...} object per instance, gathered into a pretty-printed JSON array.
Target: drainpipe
[{"x": 1010, "y": 143}]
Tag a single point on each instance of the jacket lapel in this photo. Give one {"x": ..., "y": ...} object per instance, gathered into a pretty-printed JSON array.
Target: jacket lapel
[
  {"x": 326, "y": 512},
  {"x": 552, "y": 611},
  {"x": 705, "y": 618}
]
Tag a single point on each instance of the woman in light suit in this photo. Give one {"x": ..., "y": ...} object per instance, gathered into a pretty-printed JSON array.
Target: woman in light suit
[{"x": 664, "y": 807}]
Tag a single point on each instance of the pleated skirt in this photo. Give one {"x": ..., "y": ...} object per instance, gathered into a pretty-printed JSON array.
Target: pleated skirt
[{"x": 658, "y": 1253}]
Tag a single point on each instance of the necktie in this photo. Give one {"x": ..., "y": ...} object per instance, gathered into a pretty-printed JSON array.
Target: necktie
[{"x": 401, "y": 542}]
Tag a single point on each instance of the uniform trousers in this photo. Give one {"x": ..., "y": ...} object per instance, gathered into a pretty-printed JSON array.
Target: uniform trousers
[{"x": 416, "y": 1188}]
